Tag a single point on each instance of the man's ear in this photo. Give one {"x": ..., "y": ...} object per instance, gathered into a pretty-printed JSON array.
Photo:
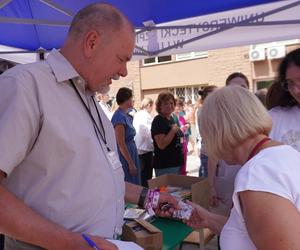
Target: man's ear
[{"x": 92, "y": 41}]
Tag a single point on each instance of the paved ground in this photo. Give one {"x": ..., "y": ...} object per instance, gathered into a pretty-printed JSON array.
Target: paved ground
[
  {"x": 193, "y": 164},
  {"x": 212, "y": 245}
]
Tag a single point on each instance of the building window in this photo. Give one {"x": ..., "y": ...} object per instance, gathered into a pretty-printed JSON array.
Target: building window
[
  {"x": 157, "y": 60},
  {"x": 264, "y": 84},
  {"x": 178, "y": 57},
  {"x": 186, "y": 93},
  {"x": 180, "y": 93},
  {"x": 191, "y": 55},
  {"x": 277, "y": 43},
  {"x": 150, "y": 60}
]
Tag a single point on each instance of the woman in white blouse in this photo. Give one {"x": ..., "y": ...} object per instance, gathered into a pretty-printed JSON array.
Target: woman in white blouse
[
  {"x": 283, "y": 100},
  {"x": 266, "y": 199},
  {"x": 142, "y": 123}
]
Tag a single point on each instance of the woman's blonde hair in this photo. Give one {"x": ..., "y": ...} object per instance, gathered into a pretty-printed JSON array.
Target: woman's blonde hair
[
  {"x": 229, "y": 116},
  {"x": 145, "y": 102}
]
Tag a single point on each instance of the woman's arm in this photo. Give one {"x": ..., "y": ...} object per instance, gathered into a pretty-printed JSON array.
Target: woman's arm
[
  {"x": 120, "y": 136},
  {"x": 163, "y": 140},
  {"x": 212, "y": 169},
  {"x": 184, "y": 125},
  {"x": 272, "y": 221}
]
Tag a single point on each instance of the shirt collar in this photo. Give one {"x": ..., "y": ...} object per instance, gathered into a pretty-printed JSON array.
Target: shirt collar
[
  {"x": 61, "y": 67},
  {"x": 64, "y": 71}
]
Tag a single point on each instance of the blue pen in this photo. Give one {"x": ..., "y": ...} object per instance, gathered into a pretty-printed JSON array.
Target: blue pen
[{"x": 90, "y": 242}]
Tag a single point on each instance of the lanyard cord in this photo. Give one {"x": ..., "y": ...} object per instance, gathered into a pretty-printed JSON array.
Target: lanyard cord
[
  {"x": 257, "y": 147},
  {"x": 97, "y": 129}
]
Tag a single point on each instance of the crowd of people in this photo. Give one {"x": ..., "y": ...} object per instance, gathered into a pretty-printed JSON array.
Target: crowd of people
[
  {"x": 148, "y": 133},
  {"x": 235, "y": 125},
  {"x": 149, "y": 139},
  {"x": 69, "y": 163}
]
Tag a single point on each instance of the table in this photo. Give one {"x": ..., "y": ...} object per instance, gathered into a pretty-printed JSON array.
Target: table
[{"x": 174, "y": 232}]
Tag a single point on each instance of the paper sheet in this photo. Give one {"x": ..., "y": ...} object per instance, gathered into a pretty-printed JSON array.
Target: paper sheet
[{"x": 126, "y": 245}]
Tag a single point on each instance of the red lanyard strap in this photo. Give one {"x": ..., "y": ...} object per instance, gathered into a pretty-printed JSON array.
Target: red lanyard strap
[{"x": 257, "y": 146}]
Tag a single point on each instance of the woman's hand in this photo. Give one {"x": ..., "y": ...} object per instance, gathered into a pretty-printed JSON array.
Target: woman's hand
[
  {"x": 199, "y": 217},
  {"x": 132, "y": 169},
  {"x": 202, "y": 218},
  {"x": 175, "y": 128},
  {"x": 187, "y": 126},
  {"x": 184, "y": 128}
]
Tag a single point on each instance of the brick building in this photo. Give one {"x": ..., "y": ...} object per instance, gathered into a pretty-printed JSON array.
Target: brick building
[{"x": 184, "y": 74}]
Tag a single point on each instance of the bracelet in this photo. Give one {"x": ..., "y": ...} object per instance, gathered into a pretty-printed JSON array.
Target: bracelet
[
  {"x": 152, "y": 201},
  {"x": 142, "y": 198}
]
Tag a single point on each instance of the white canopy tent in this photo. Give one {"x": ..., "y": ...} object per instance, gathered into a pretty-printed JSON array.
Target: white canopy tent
[
  {"x": 278, "y": 20},
  {"x": 17, "y": 55},
  {"x": 263, "y": 23}
]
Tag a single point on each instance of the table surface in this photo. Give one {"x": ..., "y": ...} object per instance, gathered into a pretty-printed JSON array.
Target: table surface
[{"x": 174, "y": 232}]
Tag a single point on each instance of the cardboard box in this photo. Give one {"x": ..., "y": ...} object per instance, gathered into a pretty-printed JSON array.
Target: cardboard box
[
  {"x": 198, "y": 185},
  {"x": 144, "y": 234}
]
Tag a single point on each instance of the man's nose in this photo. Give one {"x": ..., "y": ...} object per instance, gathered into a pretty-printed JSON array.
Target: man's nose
[{"x": 123, "y": 72}]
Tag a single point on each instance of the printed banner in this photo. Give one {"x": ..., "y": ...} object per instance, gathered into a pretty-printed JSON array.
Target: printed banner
[{"x": 258, "y": 24}]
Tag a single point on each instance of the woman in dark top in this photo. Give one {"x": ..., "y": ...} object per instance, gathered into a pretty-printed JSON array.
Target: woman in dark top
[{"x": 167, "y": 137}]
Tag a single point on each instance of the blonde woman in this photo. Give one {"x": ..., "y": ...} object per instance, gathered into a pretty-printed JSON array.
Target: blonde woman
[
  {"x": 142, "y": 123},
  {"x": 266, "y": 199},
  {"x": 203, "y": 170}
]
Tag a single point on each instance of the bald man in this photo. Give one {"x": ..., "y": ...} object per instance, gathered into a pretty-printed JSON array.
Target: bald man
[{"x": 59, "y": 172}]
